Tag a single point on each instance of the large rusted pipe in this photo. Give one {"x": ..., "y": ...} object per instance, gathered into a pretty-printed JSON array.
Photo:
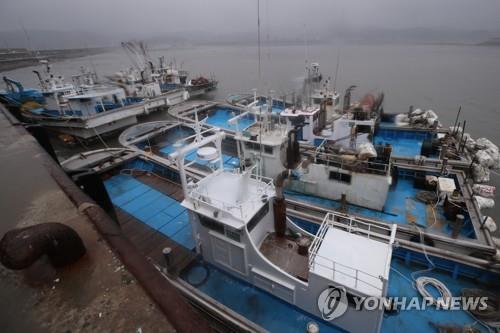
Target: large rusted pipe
[{"x": 20, "y": 248}]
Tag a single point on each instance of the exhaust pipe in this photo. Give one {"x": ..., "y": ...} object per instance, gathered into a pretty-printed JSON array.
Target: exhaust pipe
[{"x": 279, "y": 204}]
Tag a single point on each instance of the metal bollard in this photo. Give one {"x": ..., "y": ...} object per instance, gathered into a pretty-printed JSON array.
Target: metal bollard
[
  {"x": 167, "y": 254},
  {"x": 343, "y": 202},
  {"x": 457, "y": 226}
]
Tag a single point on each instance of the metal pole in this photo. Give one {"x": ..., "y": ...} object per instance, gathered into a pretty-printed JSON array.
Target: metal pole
[
  {"x": 258, "y": 36},
  {"x": 463, "y": 131},
  {"x": 456, "y": 119},
  {"x": 182, "y": 174}
]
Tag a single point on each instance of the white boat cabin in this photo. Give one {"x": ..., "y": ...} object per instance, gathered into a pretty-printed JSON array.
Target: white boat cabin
[{"x": 235, "y": 219}]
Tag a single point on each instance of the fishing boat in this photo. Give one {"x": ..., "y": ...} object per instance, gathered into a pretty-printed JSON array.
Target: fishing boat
[
  {"x": 16, "y": 97},
  {"x": 313, "y": 73},
  {"x": 136, "y": 83},
  {"x": 54, "y": 89},
  {"x": 168, "y": 76},
  {"x": 239, "y": 257},
  {"x": 324, "y": 93},
  {"x": 85, "y": 108},
  {"x": 201, "y": 85},
  {"x": 214, "y": 114}
]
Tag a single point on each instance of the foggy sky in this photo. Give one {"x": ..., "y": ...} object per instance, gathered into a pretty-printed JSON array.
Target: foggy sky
[{"x": 140, "y": 18}]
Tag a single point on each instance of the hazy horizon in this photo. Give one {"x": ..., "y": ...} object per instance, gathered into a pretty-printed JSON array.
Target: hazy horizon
[{"x": 105, "y": 23}]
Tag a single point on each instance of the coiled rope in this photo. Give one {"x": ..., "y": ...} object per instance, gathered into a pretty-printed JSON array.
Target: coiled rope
[{"x": 445, "y": 294}]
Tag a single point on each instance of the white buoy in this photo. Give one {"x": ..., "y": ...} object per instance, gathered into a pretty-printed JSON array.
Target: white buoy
[
  {"x": 490, "y": 224},
  {"x": 312, "y": 327},
  {"x": 207, "y": 153}
]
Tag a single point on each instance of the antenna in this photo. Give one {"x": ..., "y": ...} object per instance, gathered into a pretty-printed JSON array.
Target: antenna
[
  {"x": 305, "y": 49},
  {"x": 91, "y": 62},
  {"x": 456, "y": 119},
  {"x": 267, "y": 31},
  {"x": 307, "y": 81},
  {"x": 260, "y": 142},
  {"x": 30, "y": 48},
  {"x": 336, "y": 73},
  {"x": 258, "y": 37}
]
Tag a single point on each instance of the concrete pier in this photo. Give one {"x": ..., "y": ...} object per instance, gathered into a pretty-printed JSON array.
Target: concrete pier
[{"x": 98, "y": 293}]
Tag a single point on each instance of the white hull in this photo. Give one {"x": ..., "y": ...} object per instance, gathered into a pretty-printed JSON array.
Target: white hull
[
  {"x": 109, "y": 121},
  {"x": 82, "y": 131},
  {"x": 361, "y": 189}
]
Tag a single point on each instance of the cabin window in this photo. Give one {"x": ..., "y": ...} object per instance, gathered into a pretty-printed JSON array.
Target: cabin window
[
  {"x": 211, "y": 224},
  {"x": 252, "y": 145},
  {"x": 220, "y": 228},
  {"x": 258, "y": 217},
  {"x": 233, "y": 234},
  {"x": 340, "y": 177},
  {"x": 256, "y": 147},
  {"x": 268, "y": 150},
  {"x": 364, "y": 129}
]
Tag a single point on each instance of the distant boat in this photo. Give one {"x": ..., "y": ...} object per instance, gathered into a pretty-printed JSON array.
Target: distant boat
[
  {"x": 87, "y": 108},
  {"x": 167, "y": 75},
  {"x": 313, "y": 73},
  {"x": 16, "y": 96}
]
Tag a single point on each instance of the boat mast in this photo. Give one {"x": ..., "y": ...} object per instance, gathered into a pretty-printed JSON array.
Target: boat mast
[
  {"x": 336, "y": 73},
  {"x": 258, "y": 41}
]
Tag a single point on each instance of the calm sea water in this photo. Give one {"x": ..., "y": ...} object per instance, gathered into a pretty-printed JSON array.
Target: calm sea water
[{"x": 439, "y": 77}]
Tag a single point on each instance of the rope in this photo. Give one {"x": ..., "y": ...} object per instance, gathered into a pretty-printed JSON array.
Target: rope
[
  {"x": 425, "y": 254},
  {"x": 423, "y": 281},
  {"x": 100, "y": 138}
]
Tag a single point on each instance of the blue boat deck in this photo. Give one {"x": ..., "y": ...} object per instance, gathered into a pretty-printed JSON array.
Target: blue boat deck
[
  {"x": 400, "y": 285},
  {"x": 151, "y": 207},
  {"x": 277, "y": 108},
  {"x": 405, "y": 143},
  {"x": 401, "y": 207},
  {"x": 220, "y": 115},
  {"x": 165, "y": 146}
]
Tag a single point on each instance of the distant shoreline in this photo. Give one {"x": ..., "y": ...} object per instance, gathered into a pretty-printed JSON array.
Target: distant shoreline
[{"x": 10, "y": 61}]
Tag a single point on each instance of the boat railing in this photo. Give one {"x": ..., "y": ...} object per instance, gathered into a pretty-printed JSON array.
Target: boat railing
[
  {"x": 350, "y": 224},
  {"x": 244, "y": 208},
  {"x": 356, "y": 275},
  {"x": 254, "y": 174},
  {"x": 240, "y": 210}
]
